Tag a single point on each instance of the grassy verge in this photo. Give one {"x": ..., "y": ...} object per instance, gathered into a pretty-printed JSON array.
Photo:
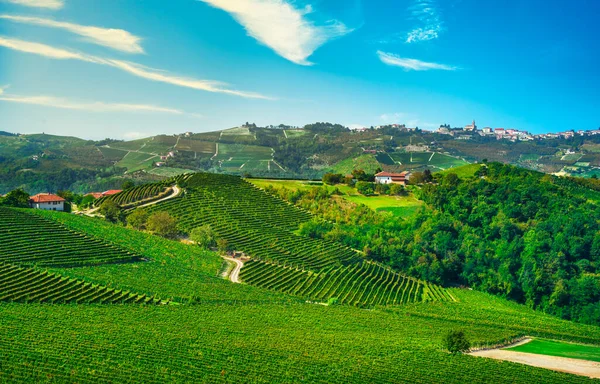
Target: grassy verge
[{"x": 556, "y": 348}]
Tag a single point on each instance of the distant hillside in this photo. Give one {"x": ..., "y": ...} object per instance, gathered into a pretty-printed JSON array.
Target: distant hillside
[{"x": 46, "y": 162}]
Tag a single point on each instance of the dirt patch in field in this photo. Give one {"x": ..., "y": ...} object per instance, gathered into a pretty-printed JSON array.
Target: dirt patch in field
[{"x": 555, "y": 363}]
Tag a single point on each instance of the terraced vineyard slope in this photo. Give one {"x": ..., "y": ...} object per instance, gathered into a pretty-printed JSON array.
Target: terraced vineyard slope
[
  {"x": 263, "y": 226},
  {"x": 360, "y": 284},
  {"x": 28, "y": 239},
  {"x": 30, "y": 285},
  {"x": 142, "y": 194},
  {"x": 254, "y": 222}
]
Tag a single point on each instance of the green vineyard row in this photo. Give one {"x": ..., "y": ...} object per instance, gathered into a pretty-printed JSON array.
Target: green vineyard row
[
  {"x": 254, "y": 222},
  {"x": 28, "y": 239},
  {"x": 360, "y": 284},
  {"x": 142, "y": 193},
  {"x": 30, "y": 285}
]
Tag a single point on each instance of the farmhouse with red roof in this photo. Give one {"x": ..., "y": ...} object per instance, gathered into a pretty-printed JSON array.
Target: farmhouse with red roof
[
  {"x": 111, "y": 192},
  {"x": 392, "y": 178},
  {"x": 47, "y": 201}
]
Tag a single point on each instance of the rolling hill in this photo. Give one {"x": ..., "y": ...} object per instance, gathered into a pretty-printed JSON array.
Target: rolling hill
[{"x": 44, "y": 162}]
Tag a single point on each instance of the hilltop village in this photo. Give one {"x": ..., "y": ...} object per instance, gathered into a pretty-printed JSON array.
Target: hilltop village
[{"x": 469, "y": 131}]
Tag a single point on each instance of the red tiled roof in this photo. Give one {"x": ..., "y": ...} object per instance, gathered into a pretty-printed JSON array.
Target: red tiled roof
[
  {"x": 45, "y": 198},
  {"x": 111, "y": 192},
  {"x": 96, "y": 195}
]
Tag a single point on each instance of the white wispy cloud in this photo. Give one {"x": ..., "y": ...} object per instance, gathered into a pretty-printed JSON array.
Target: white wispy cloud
[
  {"x": 392, "y": 117},
  {"x": 48, "y": 4},
  {"x": 427, "y": 15},
  {"x": 282, "y": 27},
  {"x": 129, "y": 67},
  {"x": 412, "y": 64},
  {"x": 96, "y": 106},
  {"x": 118, "y": 39}
]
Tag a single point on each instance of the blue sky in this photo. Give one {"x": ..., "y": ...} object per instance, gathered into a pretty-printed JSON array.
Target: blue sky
[{"x": 127, "y": 68}]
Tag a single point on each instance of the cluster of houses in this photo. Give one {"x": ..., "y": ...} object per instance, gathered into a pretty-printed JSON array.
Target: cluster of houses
[
  {"x": 509, "y": 133},
  {"x": 163, "y": 159},
  {"x": 512, "y": 134},
  {"x": 52, "y": 202}
]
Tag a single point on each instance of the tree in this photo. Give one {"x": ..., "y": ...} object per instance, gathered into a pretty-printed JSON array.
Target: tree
[
  {"x": 111, "y": 211},
  {"x": 137, "y": 219},
  {"x": 397, "y": 190},
  {"x": 162, "y": 224},
  {"x": 417, "y": 178},
  {"x": 365, "y": 188},
  {"x": 66, "y": 194},
  {"x": 127, "y": 184},
  {"x": 382, "y": 189},
  {"x": 332, "y": 178},
  {"x": 427, "y": 177},
  {"x": 17, "y": 198},
  {"x": 203, "y": 236},
  {"x": 86, "y": 201},
  {"x": 456, "y": 341},
  {"x": 223, "y": 245}
]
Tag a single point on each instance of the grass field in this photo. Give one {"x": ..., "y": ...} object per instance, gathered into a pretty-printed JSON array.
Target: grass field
[
  {"x": 435, "y": 160},
  {"x": 291, "y": 133},
  {"x": 400, "y": 206},
  {"x": 243, "y": 131},
  {"x": 135, "y": 161},
  {"x": 557, "y": 348},
  {"x": 169, "y": 171},
  {"x": 464, "y": 171},
  {"x": 367, "y": 163},
  {"x": 196, "y": 146},
  {"x": 112, "y": 154}
]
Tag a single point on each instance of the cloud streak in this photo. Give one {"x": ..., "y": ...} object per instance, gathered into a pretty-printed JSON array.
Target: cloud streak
[
  {"x": 412, "y": 64},
  {"x": 57, "y": 102},
  {"x": 48, "y": 4},
  {"x": 117, "y": 39},
  {"x": 281, "y": 27},
  {"x": 427, "y": 15},
  {"x": 125, "y": 66}
]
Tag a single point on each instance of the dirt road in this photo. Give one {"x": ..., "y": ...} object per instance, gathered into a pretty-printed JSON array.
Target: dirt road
[
  {"x": 234, "y": 276},
  {"x": 175, "y": 193},
  {"x": 555, "y": 363}
]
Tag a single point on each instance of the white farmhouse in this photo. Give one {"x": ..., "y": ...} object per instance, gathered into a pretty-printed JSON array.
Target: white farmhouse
[
  {"x": 392, "y": 178},
  {"x": 47, "y": 202}
]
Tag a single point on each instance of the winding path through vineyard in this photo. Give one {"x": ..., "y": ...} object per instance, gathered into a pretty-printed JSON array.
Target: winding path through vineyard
[
  {"x": 175, "y": 193},
  {"x": 234, "y": 275}
]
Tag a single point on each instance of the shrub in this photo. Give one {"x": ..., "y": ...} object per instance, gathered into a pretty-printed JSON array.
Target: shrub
[
  {"x": 162, "y": 224},
  {"x": 203, "y": 236},
  {"x": 17, "y": 198},
  {"x": 456, "y": 341},
  {"x": 111, "y": 211},
  {"x": 137, "y": 219},
  {"x": 397, "y": 190},
  {"x": 365, "y": 188},
  {"x": 332, "y": 178}
]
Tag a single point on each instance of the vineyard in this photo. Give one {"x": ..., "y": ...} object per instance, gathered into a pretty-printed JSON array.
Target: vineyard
[
  {"x": 142, "y": 194},
  {"x": 265, "y": 331},
  {"x": 361, "y": 284},
  {"x": 27, "y": 239},
  {"x": 263, "y": 226},
  {"x": 30, "y": 285},
  {"x": 264, "y": 344}
]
